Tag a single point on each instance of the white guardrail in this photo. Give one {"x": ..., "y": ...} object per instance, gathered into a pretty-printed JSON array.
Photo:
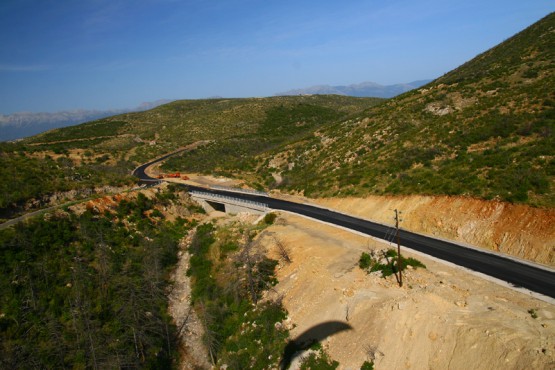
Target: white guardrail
[
  {"x": 200, "y": 194},
  {"x": 239, "y": 190}
]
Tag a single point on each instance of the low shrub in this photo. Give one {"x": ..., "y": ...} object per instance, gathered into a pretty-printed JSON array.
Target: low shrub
[
  {"x": 367, "y": 365},
  {"x": 373, "y": 263},
  {"x": 269, "y": 218},
  {"x": 365, "y": 261}
]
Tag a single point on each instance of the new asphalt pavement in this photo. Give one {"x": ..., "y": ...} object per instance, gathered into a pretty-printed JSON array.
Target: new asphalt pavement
[{"x": 520, "y": 274}]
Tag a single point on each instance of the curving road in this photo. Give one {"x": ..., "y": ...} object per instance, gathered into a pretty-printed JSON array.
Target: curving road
[
  {"x": 535, "y": 278},
  {"x": 140, "y": 171}
]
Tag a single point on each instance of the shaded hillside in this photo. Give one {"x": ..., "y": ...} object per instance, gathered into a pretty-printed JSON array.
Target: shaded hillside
[
  {"x": 104, "y": 152},
  {"x": 485, "y": 129}
]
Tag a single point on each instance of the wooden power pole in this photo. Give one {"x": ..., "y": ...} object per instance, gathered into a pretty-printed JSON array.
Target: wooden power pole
[{"x": 399, "y": 266}]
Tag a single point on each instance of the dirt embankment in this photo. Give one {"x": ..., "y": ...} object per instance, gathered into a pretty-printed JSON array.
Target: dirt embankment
[
  {"x": 517, "y": 230},
  {"x": 442, "y": 317}
]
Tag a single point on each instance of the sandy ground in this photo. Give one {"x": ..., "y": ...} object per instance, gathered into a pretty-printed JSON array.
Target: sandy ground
[{"x": 442, "y": 317}]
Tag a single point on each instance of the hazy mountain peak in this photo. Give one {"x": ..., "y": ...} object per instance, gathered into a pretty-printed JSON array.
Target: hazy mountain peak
[
  {"x": 23, "y": 124},
  {"x": 363, "y": 89}
]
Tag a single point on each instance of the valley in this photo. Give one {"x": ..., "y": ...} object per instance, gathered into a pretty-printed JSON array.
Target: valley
[
  {"x": 116, "y": 274},
  {"x": 442, "y": 317}
]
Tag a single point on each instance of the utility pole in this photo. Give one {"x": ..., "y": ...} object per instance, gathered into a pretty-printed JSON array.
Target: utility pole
[{"x": 399, "y": 266}]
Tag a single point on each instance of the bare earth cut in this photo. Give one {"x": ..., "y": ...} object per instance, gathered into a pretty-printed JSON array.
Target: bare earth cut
[
  {"x": 442, "y": 317},
  {"x": 517, "y": 230}
]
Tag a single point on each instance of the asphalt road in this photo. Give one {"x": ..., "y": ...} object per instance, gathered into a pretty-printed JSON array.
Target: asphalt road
[
  {"x": 518, "y": 274},
  {"x": 140, "y": 171}
]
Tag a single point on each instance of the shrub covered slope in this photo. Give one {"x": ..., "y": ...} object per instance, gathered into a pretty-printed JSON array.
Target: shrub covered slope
[
  {"x": 485, "y": 129},
  {"x": 105, "y": 151}
]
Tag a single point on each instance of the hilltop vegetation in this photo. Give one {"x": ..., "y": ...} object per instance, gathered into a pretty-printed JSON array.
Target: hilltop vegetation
[
  {"x": 281, "y": 124},
  {"x": 179, "y": 123},
  {"x": 485, "y": 130},
  {"x": 104, "y": 152}
]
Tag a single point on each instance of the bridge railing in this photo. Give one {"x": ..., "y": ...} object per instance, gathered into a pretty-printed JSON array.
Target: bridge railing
[
  {"x": 229, "y": 199},
  {"x": 239, "y": 190}
]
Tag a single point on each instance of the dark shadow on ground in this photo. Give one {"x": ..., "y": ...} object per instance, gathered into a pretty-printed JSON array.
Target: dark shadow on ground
[{"x": 311, "y": 336}]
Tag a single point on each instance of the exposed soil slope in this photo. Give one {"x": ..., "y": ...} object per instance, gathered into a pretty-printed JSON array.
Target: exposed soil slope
[
  {"x": 517, "y": 230},
  {"x": 514, "y": 229},
  {"x": 442, "y": 318}
]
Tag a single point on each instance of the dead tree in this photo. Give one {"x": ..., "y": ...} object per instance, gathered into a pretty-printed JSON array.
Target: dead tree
[
  {"x": 249, "y": 266},
  {"x": 283, "y": 250}
]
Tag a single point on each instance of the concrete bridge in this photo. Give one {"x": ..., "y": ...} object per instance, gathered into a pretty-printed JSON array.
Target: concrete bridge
[{"x": 228, "y": 204}]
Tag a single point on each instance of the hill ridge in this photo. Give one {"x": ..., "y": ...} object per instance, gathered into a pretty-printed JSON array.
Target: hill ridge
[{"x": 483, "y": 130}]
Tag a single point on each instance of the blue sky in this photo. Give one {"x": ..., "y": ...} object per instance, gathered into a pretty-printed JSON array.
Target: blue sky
[{"x": 105, "y": 54}]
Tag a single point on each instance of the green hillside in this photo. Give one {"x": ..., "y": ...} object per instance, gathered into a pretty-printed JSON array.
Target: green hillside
[
  {"x": 105, "y": 151},
  {"x": 485, "y": 130},
  {"x": 172, "y": 125}
]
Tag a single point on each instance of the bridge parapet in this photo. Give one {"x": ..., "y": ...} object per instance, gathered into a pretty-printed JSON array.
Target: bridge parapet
[
  {"x": 240, "y": 190},
  {"x": 231, "y": 204}
]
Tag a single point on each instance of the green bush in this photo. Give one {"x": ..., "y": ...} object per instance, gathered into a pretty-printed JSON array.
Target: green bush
[
  {"x": 365, "y": 261},
  {"x": 320, "y": 361},
  {"x": 367, "y": 365},
  {"x": 369, "y": 264},
  {"x": 533, "y": 313},
  {"x": 269, "y": 218}
]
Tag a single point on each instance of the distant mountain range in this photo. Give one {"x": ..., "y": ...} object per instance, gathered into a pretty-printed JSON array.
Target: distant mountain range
[
  {"x": 364, "y": 89},
  {"x": 24, "y": 124}
]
